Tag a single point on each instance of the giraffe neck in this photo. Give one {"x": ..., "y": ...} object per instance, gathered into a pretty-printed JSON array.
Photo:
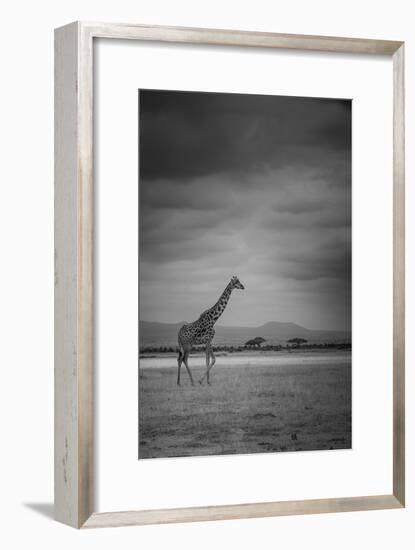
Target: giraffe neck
[{"x": 216, "y": 311}]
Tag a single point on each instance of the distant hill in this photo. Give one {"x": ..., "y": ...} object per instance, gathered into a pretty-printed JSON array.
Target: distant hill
[{"x": 165, "y": 334}]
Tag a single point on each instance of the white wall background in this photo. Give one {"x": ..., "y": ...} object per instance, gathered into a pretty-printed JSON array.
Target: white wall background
[{"x": 26, "y": 287}]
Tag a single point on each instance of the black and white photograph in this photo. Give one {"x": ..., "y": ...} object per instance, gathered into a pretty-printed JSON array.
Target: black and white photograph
[{"x": 244, "y": 274}]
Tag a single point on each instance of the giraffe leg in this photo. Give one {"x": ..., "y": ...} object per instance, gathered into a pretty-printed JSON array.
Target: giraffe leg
[
  {"x": 211, "y": 365},
  {"x": 179, "y": 366},
  {"x": 208, "y": 352},
  {"x": 185, "y": 361}
]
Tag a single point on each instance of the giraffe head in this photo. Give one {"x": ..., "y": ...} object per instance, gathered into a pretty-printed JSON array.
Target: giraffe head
[{"x": 236, "y": 283}]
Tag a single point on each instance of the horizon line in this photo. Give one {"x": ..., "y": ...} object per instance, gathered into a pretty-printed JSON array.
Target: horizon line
[{"x": 257, "y": 326}]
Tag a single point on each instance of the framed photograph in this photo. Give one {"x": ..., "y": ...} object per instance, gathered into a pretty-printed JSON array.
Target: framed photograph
[{"x": 229, "y": 274}]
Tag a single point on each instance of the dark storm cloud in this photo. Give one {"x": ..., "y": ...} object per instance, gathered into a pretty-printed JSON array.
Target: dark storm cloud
[
  {"x": 257, "y": 186},
  {"x": 191, "y": 134},
  {"x": 332, "y": 261}
]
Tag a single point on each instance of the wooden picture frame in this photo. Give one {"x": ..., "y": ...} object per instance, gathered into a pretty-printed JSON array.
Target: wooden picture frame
[{"x": 74, "y": 269}]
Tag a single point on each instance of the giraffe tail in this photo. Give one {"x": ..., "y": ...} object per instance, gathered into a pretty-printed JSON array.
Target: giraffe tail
[{"x": 180, "y": 356}]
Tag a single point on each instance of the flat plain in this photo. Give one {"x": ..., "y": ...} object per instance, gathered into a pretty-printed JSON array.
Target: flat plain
[{"x": 257, "y": 402}]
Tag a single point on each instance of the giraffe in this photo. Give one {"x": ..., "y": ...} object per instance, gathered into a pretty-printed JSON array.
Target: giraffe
[{"x": 202, "y": 332}]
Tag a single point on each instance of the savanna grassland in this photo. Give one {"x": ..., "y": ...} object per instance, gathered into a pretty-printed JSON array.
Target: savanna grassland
[{"x": 256, "y": 403}]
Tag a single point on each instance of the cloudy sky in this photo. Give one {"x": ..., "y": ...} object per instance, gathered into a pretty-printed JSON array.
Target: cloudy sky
[{"x": 246, "y": 185}]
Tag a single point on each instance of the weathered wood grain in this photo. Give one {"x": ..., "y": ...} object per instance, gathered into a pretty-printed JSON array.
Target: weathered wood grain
[
  {"x": 399, "y": 277},
  {"x": 73, "y": 276},
  {"x": 243, "y": 38},
  {"x": 242, "y": 511}
]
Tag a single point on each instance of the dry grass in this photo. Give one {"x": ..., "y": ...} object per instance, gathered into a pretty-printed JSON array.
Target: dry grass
[{"x": 249, "y": 408}]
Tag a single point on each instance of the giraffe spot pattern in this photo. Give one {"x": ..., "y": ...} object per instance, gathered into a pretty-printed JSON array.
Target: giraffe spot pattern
[{"x": 202, "y": 331}]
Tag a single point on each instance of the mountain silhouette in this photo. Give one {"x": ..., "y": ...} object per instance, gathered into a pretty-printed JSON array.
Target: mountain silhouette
[{"x": 274, "y": 332}]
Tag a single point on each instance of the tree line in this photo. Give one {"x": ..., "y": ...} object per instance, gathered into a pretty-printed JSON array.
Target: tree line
[{"x": 289, "y": 346}]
